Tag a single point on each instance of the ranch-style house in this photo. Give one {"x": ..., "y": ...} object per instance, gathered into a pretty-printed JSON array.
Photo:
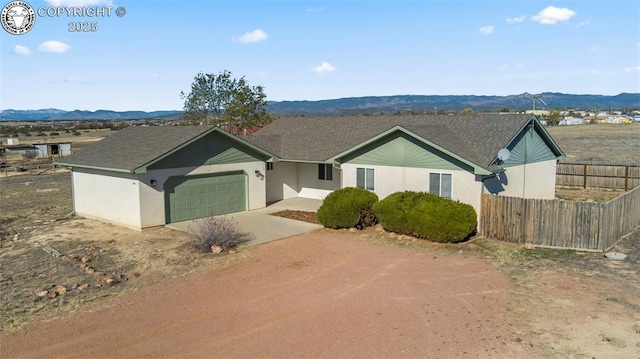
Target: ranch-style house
[{"x": 149, "y": 176}]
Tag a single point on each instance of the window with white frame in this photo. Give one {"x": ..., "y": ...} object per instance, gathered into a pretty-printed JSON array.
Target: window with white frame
[
  {"x": 440, "y": 184},
  {"x": 365, "y": 178},
  {"x": 325, "y": 172}
]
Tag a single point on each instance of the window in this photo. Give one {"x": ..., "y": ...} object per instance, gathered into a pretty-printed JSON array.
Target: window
[
  {"x": 365, "y": 178},
  {"x": 269, "y": 166},
  {"x": 325, "y": 172},
  {"x": 440, "y": 184}
]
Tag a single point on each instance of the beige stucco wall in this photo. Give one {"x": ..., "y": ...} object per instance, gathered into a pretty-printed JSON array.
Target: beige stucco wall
[
  {"x": 389, "y": 179},
  {"x": 107, "y": 196},
  {"x": 291, "y": 179},
  {"x": 282, "y": 181},
  {"x": 533, "y": 180},
  {"x": 130, "y": 200},
  {"x": 312, "y": 187}
]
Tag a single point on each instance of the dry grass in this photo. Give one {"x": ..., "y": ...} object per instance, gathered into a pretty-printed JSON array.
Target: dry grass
[
  {"x": 599, "y": 142},
  {"x": 33, "y": 216}
]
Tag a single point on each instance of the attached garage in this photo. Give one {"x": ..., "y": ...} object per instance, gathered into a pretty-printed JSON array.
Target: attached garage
[
  {"x": 189, "y": 197},
  {"x": 149, "y": 176}
]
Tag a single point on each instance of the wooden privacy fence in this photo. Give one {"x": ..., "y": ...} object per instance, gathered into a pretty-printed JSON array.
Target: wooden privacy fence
[
  {"x": 598, "y": 175},
  {"x": 560, "y": 223}
]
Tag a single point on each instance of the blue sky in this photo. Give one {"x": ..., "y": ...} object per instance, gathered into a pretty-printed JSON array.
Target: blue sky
[{"x": 301, "y": 50}]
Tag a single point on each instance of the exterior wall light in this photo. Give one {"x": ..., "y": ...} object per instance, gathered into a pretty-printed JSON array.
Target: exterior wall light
[{"x": 153, "y": 183}]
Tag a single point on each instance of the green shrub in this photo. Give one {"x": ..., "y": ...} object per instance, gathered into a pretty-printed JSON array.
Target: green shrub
[
  {"x": 427, "y": 216},
  {"x": 348, "y": 207}
]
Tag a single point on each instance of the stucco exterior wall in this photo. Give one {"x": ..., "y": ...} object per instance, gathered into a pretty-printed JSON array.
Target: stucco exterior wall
[
  {"x": 389, "y": 179},
  {"x": 153, "y": 199},
  {"x": 282, "y": 181},
  {"x": 312, "y": 187},
  {"x": 532, "y": 180},
  {"x": 111, "y": 197},
  {"x": 131, "y": 201}
]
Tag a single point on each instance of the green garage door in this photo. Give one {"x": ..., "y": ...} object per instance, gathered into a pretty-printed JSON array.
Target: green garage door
[{"x": 190, "y": 197}]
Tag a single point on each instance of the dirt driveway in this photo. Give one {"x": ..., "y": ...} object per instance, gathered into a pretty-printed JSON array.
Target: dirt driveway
[
  {"x": 324, "y": 294},
  {"x": 327, "y": 294}
]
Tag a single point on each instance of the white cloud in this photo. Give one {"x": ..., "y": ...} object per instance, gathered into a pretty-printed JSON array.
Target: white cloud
[
  {"x": 638, "y": 44},
  {"x": 594, "y": 72},
  {"x": 314, "y": 9},
  {"x": 251, "y": 37},
  {"x": 515, "y": 20},
  {"x": 323, "y": 68},
  {"x": 79, "y": 2},
  {"x": 632, "y": 69},
  {"x": 552, "y": 15},
  {"x": 21, "y": 50},
  {"x": 54, "y": 46},
  {"x": 486, "y": 30}
]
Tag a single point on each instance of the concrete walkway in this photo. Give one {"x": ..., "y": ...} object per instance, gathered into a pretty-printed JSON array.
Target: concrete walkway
[{"x": 265, "y": 227}]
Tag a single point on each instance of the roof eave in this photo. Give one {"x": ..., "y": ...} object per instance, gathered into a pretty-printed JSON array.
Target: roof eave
[
  {"x": 109, "y": 169},
  {"x": 329, "y": 161}
]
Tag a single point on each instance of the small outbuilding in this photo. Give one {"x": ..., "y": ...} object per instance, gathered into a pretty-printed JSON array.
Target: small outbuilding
[{"x": 57, "y": 149}]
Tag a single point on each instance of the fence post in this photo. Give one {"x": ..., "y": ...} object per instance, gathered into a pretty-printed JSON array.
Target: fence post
[
  {"x": 584, "y": 177},
  {"x": 626, "y": 178}
]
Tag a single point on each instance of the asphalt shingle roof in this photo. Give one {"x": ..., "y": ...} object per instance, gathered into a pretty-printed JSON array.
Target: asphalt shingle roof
[
  {"x": 476, "y": 138},
  {"x": 133, "y": 147}
]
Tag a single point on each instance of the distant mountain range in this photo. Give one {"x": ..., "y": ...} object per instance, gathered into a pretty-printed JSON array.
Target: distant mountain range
[
  {"x": 363, "y": 105},
  {"x": 78, "y": 115},
  {"x": 419, "y": 103}
]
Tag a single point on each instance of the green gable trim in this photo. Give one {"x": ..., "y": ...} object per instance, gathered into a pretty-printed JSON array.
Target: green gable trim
[
  {"x": 254, "y": 150},
  {"x": 532, "y": 144},
  {"x": 409, "y": 149},
  {"x": 214, "y": 148},
  {"x": 529, "y": 148},
  {"x": 402, "y": 150}
]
